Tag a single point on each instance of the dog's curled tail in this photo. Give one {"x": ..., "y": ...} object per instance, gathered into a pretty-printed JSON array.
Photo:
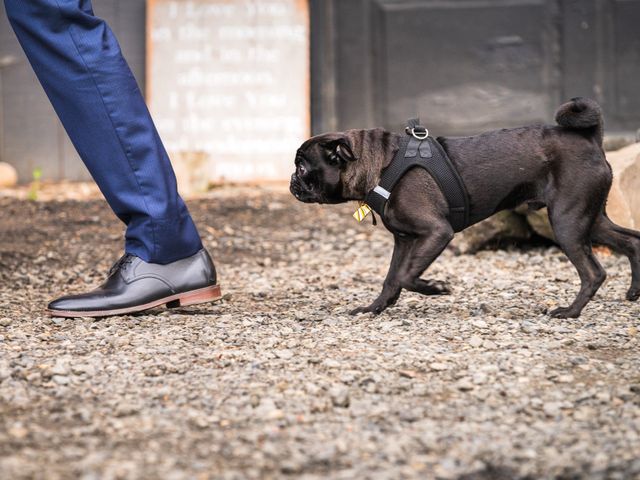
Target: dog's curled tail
[{"x": 582, "y": 114}]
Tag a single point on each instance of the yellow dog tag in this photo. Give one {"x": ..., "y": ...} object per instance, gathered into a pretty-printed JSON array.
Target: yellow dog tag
[{"x": 361, "y": 213}]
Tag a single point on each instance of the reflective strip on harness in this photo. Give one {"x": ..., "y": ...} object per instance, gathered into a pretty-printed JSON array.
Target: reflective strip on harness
[
  {"x": 428, "y": 154},
  {"x": 382, "y": 192}
]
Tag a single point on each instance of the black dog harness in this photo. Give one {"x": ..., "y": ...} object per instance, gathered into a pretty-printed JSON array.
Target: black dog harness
[{"x": 418, "y": 149}]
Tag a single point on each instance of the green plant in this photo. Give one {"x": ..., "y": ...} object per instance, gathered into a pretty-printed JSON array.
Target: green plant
[{"x": 34, "y": 188}]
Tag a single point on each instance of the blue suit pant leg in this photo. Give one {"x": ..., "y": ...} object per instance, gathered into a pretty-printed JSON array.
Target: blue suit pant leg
[{"x": 78, "y": 61}]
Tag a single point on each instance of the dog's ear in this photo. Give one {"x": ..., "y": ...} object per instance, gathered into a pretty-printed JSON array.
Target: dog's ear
[{"x": 339, "y": 151}]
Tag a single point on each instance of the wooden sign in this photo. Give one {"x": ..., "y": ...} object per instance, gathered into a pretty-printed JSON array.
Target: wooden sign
[{"x": 228, "y": 86}]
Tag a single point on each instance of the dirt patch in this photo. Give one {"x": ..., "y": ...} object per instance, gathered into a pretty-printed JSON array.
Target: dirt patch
[{"x": 278, "y": 380}]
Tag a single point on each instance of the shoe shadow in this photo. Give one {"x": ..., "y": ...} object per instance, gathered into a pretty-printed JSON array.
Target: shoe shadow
[
  {"x": 201, "y": 309},
  {"x": 195, "y": 310}
]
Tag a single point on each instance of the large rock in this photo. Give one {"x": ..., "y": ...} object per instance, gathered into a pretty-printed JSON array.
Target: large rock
[
  {"x": 539, "y": 222},
  {"x": 623, "y": 204},
  {"x": 8, "y": 175},
  {"x": 503, "y": 226}
]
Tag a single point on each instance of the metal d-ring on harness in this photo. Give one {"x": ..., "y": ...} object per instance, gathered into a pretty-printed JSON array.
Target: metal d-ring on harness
[{"x": 418, "y": 149}]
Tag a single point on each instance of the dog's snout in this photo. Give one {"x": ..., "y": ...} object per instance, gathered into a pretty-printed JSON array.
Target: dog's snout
[{"x": 294, "y": 186}]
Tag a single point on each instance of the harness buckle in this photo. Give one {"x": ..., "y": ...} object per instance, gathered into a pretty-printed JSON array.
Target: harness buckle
[{"x": 418, "y": 132}]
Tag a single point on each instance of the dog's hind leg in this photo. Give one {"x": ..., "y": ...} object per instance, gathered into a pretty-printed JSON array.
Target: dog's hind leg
[
  {"x": 622, "y": 240},
  {"x": 572, "y": 220}
]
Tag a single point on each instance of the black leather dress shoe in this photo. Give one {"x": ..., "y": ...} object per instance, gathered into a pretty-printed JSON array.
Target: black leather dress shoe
[{"x": 134, "y": 285}]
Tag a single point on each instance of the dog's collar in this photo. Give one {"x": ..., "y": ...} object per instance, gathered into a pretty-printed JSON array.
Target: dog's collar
[{"x": 418, "y": 149}]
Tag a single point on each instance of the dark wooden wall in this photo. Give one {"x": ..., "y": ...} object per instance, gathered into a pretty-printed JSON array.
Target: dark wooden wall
[
  {"x": 30, "y": 134},
  {"x": 469, "y": 65},
  {"x": 463, "y": 65}
]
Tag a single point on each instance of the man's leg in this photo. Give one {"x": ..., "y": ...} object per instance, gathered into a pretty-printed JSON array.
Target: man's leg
[{"x": 79, "y": 63}]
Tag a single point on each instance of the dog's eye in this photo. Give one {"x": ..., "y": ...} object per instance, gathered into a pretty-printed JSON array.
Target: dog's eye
[{"x": 301, "y": 169}]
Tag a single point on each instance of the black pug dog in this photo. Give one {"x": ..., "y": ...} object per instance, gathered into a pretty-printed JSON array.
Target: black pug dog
[{"x": 561, "y": 167}]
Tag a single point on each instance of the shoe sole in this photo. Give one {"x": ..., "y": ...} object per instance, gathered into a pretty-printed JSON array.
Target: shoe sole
[{"x": 193, "y": 297}]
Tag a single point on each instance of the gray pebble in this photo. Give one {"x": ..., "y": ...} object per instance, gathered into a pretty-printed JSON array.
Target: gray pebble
[{"x": 339, "y": 396}]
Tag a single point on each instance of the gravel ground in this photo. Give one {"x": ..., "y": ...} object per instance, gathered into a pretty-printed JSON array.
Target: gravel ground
[{"x": 279, "y": 381}]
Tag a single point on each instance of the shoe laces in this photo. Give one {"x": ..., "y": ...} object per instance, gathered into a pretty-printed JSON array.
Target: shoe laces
[{"x": 121, "y": 264}]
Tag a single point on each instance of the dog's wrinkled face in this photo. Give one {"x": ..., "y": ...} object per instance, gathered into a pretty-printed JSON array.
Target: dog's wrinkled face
[{"x": 319, "y": 164}]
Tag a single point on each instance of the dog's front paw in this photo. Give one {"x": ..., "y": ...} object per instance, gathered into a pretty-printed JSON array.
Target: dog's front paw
[
  {"x": 374, "y": 308},
  {"x": 436, "y": 287},
  {"x": 565, "y": 312}
]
